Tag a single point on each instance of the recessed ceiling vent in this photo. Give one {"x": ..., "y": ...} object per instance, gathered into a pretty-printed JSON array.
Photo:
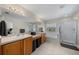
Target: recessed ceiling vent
[{"x": 62, "y": 6}]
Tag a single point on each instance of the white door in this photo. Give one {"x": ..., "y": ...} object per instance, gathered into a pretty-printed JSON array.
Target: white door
[{"x": 68, "y": 32}]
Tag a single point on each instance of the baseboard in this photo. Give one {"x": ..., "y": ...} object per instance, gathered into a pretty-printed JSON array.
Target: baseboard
[{"x": 69, "y": 46}]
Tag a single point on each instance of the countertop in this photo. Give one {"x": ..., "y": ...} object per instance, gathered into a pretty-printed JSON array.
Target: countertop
[
  {"x": 8, "y": 39},
  {"x": 12, "y": 38},
  {"x": 36, "y": 35}
]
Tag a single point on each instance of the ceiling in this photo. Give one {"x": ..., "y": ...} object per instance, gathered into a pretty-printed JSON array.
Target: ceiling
[
  {"x": 43, "y": 11},
  {"x": 52, "y": 11}
]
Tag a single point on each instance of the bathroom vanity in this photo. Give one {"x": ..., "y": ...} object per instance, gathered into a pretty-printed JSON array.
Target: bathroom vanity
[
  {"x": 20, "y": 44},
  {"x": 16, "y": 45}
]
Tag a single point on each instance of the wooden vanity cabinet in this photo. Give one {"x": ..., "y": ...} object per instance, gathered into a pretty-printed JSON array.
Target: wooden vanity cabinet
[
  {"x": 13, "y": 48},
  {"x": 21, "y": 47},
  {"x": 28, "y": 46},
  {"x": 0, "y": 50}
]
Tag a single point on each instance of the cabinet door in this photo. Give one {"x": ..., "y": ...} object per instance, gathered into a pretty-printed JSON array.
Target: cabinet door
[
  {"x": 43, "y": 38},
  {"x": 30, "y": 46},
  {"x": 0, "y": 50},
  {"x": 27, "y": 46},
  {"x": 12, "y": 48}
]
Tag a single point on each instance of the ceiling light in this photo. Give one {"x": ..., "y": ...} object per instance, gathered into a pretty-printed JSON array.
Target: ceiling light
[{"x": 16, "y": 9}]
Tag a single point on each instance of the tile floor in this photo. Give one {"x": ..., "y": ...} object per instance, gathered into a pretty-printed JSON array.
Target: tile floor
[{"x": 52, "y": 47}]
